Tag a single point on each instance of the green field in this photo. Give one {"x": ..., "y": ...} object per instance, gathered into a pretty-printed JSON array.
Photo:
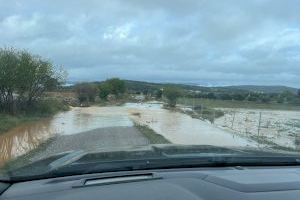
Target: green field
[{"x": 235, "y": 104}]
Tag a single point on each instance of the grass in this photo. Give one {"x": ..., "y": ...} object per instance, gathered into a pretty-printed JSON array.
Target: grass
[
  {"x": 235, "y": 104},
  {"x": 151, "y": 135}
]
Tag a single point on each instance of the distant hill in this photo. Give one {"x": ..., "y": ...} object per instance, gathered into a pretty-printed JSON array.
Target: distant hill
[
  {"x": 141, "y": 86},
  {"x": 265, "y": 89}
]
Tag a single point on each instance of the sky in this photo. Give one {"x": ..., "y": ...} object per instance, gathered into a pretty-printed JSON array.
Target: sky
[{"x": 204, "y": 42}]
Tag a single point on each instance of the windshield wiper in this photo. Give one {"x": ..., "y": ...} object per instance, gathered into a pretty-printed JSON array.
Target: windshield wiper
[{"x": 66, "y": 160}]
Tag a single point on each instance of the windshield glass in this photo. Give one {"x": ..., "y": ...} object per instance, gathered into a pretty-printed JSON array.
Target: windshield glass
[{"x": 111, "y": 80}]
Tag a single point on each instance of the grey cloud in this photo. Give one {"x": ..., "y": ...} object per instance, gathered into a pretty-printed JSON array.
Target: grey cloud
[{"x": 199, "y": 41}]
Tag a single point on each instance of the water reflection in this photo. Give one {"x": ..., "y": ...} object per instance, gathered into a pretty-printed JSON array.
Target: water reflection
[{"x": 23, "y": 139}]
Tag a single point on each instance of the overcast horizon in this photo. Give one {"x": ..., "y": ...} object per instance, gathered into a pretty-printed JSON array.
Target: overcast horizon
[{"x": 201, "y": 42}]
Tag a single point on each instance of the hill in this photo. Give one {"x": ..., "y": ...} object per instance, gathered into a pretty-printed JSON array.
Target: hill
[
  {"x": 264, "y": 89},
  {"x": 142, "y": 86}
]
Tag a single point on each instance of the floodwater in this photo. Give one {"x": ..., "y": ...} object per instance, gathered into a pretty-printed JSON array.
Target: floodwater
[
  {"x": 180, "y": 128},
  {"x": 176, "y": 127},
  {"x": 281, "y": 127}
]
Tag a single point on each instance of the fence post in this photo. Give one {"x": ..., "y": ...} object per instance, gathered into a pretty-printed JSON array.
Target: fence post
[
  {"x": 259, "y": 124},
  {"x": 233, "y": 120},
  {"x": 193, "y": 104}
]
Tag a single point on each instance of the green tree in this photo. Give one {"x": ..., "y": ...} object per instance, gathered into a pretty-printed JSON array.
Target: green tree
[
  {"x": 24, "y": 77},
  {"x": 238, "y": 97},
  {"x": 211, "y": 95},
  {"x": 286, "y": 96},
  {"x": 265, "y": 98},
  {"x": 172, "y": 94},
  {"x": 117, "y": 86},
  {"x": 104, "y": 90},
  {"x": 253, "y": 97},
  {"x": 36, "y": 76},
  {"x": 298, "y": 93},
  {"x": 9, "y": 62}
]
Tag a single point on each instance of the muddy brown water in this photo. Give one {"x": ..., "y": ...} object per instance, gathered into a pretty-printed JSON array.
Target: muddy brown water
[{"x": 176, "y": 127}]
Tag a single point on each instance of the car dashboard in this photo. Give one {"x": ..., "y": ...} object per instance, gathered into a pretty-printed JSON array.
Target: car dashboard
[{"x": 188, "y": 184}]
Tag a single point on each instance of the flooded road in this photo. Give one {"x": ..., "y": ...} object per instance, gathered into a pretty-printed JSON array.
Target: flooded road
[
  {"x": 29, "y": 136},
  {"x": 180, "y": 128},
  {"x": 176, "y": 127}
]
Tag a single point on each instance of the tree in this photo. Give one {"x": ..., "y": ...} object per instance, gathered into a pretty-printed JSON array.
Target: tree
[
  {"x": 116, "y": 85},
  {"x": 287, "y": 96},
  {"x": 238, "y": 97},
  {"x": 9, "y": 62},
  {"x": 86, "y": 92},
  {"x": 35, "y": 77},
  {"x": 211, "y": 95},
  {"x": 265, "y": 99},
  {"x": 225, "y": 96},
  {"x": 25, "y": 77},
  {"x": 253, "y": 96},
  {"x": 104, "y": 90},
  {"x": 298, "y": 93},
  {"x": 113, "y": 86},
  {"x": 171, "y": 93},
  {"x": 158, "y": 94}
]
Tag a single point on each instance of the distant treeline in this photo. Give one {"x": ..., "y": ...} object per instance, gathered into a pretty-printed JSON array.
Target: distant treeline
[
  {"x": 88, "y": 92},
  {"x": 284, "y": 97},
  {"x": 117, "y": 88},
  {"x": 218, "y": 93}
]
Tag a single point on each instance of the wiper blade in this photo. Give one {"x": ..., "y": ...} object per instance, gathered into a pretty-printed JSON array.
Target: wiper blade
[
  {"x": 78, "y": 168},
  {"x": 66, "y": 160},
  {"x": 169, "y": 163}
]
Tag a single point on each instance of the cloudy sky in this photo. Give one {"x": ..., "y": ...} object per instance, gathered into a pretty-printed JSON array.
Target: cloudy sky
[{"x": 207, "y": 42}]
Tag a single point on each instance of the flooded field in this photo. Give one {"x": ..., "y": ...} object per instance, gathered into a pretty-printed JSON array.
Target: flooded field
[
  {"x": 176, "y": 127},
  {"x": 182, "y": 129},
  {"x": 279, "y": 127}
]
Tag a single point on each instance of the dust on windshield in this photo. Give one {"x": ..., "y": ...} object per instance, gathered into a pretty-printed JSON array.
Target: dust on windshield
[{"x": 102, "y": 75}]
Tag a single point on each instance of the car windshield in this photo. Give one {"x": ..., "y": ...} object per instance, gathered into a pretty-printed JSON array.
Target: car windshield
[{"x": 109, "y": 85}]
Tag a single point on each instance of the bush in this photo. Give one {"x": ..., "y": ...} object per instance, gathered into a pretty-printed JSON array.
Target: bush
[
  {"x": 172, "y": 93},
  {"x": 86, "y": 92},
  {"x": 48, "y": 107},
  {"x": 104, "y": 91}
]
